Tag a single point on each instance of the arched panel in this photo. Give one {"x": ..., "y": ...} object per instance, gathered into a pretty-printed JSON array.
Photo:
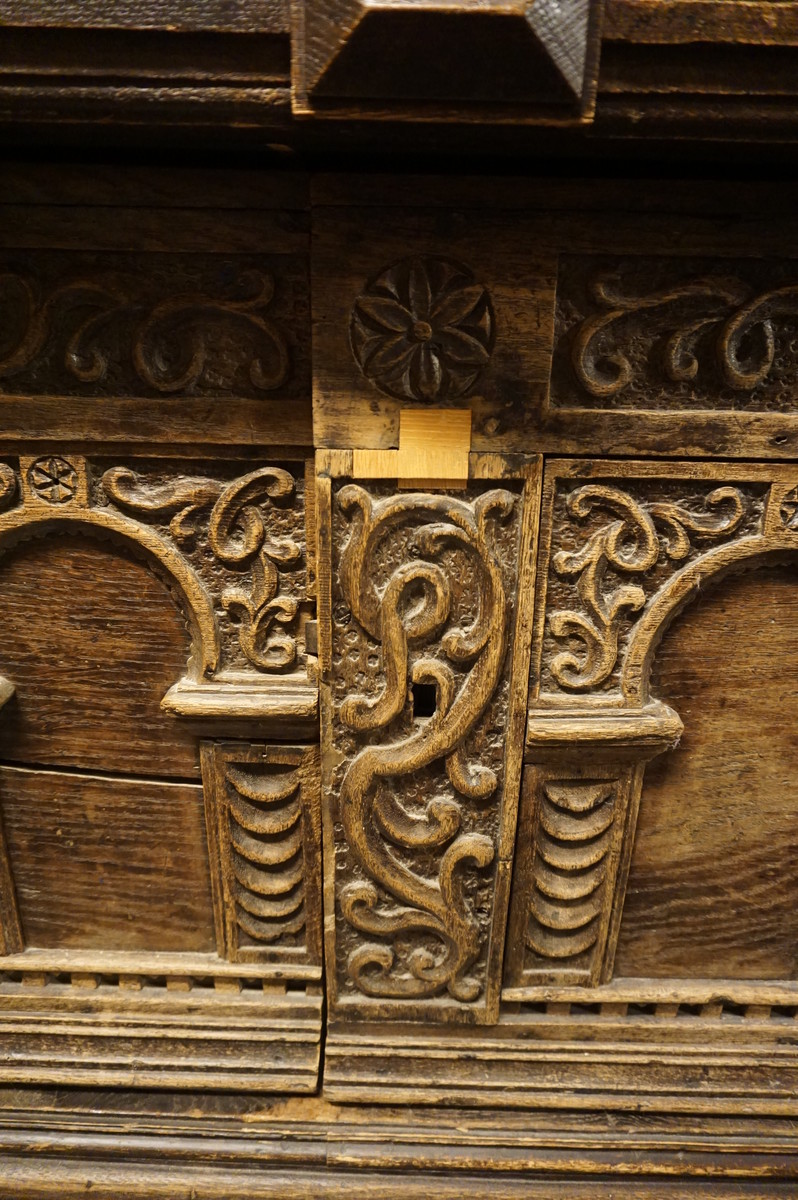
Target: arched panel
[
  {"x": 713, "y": 889},
  {"x": 91, "y": 640}
]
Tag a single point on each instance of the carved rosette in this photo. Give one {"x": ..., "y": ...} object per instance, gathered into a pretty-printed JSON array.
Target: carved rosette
[
  {"x": 423, "y": 602},
  {"x": 264, "y": 828},
  {"x": 423, "y": 330}
]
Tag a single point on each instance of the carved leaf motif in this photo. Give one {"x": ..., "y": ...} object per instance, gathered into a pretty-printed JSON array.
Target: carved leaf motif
[
  {"x": 104, "y": 323},
  {"x": 462, "y": 660},
  {"x": 171, "y": 345},
  {"x": 423, "y": 330},
  {"x": 789, "y": 509},
  {"x": 237, "y": 535},
  {"x": 628, "y": 545},
  {"x": 742, "y": 328}
]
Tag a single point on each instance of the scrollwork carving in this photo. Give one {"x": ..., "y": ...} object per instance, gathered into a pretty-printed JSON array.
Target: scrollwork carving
[
  {"x": 238, "y": 537},
  {"x": 422, "y": 581},
  {"x": 134, "y": 328},
  {"x": 631, "y": 544},
  {"x": 722, "y": 336}
]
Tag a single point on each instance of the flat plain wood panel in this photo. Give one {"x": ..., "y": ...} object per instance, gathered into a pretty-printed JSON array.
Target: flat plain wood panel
[
  {"x": 109, "y": 864},
  {"x": 92, "y": 641},
  {"x": 713, "y": 889}
]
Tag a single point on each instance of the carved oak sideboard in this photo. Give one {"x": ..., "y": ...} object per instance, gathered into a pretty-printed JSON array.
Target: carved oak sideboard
[{"x": 398, "y": 686}]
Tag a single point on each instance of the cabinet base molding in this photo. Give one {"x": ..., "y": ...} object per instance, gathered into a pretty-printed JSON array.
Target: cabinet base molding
[
  {"x": 198, "y": 1029},
  {"x": 165, "y": 1146},
  {"x": 597, "y": 1052}
]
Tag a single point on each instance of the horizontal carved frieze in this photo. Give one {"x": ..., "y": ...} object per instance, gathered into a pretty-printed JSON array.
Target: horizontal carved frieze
[
  {"x": 419, "y": 705},
  {"x": 669, "y": 334},
  {"x": 149, "y": 325}
]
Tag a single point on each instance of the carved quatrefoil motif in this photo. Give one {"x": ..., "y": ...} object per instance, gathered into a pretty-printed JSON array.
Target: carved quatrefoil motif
[
  {"x": 423, "y": 330},
  {"x": 53, "y": 479}
]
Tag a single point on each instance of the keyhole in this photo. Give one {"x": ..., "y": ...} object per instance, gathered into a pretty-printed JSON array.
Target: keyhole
[{"x": 425, "y": 699}]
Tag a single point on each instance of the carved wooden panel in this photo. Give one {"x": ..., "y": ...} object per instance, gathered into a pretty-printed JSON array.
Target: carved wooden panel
[
  {"x": 670, "y": 335},
  {"x": 422, "y": 719},
  {"x": 624, "y": 548},
  {"x": 264, "y": 828},
  {"x": 201, "y": 325}
]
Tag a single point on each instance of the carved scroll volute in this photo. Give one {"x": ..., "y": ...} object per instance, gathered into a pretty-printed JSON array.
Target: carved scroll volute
[{"x": 419, "y": 765}]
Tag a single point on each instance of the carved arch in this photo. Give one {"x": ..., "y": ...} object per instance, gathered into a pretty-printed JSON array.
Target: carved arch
[
  {"x": 20, "y": 524},
  {"x": 591, "y": 735},
  {"x": 678, "y": 593}
]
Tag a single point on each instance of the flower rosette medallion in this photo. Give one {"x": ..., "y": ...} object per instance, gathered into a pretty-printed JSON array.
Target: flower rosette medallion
[{"x": 423, "y": 330}]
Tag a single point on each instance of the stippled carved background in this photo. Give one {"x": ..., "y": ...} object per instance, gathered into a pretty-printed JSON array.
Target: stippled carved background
[
  {"x": 423, "y": 607},
  {"x": 673, "y": 334}
]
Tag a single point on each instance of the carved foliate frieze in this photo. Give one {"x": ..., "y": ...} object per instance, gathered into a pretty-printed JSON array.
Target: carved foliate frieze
[
  {"x": 264, "y": 831},
  {"x": 676, "y": 334},
  {"x": 419, "y": 701},
  {"x": 149, "y": 325}
]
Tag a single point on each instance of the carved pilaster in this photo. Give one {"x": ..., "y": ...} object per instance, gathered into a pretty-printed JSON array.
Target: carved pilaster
[
  {"x": 425, "y": 595},
  {"x": 623, "y": 551},
  {"x": 264, "y": 832}
]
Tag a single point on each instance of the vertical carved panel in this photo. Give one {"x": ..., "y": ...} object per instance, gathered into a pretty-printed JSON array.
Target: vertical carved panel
[
  {"x": 264, "y": 831},
  {"x": 422, "y": 726},
  {"x": 624, "y": 550}
]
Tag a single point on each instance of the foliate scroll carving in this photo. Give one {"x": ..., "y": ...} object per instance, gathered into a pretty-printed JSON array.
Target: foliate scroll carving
[
  {"x": 151, "y": 325},
  {"x": 635, "y": 538},
  {"x": 252, "y": 526},
  {"x": 423, "y": 330},
  {"x": 423, "y": 603},
  {"x": 655, "y": 334},
  {"x": 263, "y": 818}
]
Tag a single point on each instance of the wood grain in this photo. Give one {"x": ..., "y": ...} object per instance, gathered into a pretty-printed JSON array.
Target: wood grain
[
  {"x": 111, "y": 864},
  {"x": 712, "y": 889},
  {"x": 92, "y": 663}
]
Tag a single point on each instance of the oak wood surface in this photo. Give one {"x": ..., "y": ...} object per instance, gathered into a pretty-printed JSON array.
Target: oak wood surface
[
  {"x": 107, "y": 863},
  {"x": 712, "y": 890},
  {"x": 92, "y": 663}
]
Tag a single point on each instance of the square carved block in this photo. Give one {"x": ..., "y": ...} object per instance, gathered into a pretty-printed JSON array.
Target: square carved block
[{"x": 424, "y": 611}]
